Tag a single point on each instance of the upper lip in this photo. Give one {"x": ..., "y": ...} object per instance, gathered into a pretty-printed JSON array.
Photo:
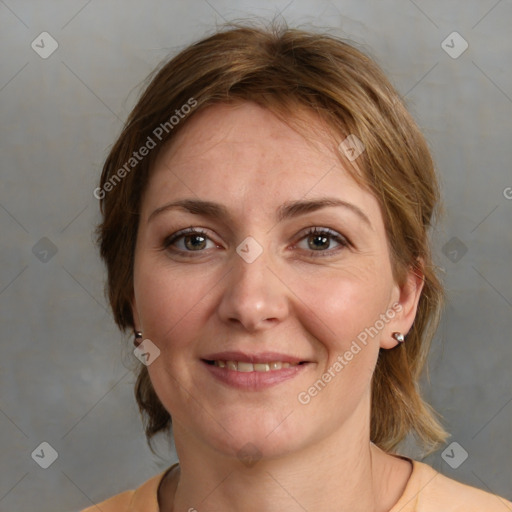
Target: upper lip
[{"x": 262, "y": 357}]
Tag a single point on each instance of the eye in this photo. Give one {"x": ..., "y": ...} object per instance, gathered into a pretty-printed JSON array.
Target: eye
[
  {"x": 188, "y": 241},
  {"x": 319, "y": 242}
]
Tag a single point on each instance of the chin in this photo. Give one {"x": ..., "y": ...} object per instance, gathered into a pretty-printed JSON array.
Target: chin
[
  {"x": 255, "y": 446},
  {"x": 250, "y": 437}
]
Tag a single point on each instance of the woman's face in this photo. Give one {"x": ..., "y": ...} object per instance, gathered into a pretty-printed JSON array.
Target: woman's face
[{"x": 271, "y": 276}]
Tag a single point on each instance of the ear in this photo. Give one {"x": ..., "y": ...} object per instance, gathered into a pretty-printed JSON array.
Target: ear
[{"x": 404, "y": 304}]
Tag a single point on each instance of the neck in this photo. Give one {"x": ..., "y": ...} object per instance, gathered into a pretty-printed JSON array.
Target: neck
[{"x": 342, "y": 472}]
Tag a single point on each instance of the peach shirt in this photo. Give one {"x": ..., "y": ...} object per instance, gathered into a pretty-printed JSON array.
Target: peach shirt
[{"x": 426, "y": 491}]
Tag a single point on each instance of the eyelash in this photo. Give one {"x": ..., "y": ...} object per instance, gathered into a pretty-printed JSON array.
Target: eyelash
[{"x": 343, "y": 241}]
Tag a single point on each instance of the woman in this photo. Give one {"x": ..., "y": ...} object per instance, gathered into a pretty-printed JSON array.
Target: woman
[{"x": 265, "y": 229}]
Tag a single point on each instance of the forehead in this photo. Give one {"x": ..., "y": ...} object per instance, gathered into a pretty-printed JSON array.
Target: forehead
[
  {"x": 243, "y": 152},
  {"x": 233, "y": 129}
]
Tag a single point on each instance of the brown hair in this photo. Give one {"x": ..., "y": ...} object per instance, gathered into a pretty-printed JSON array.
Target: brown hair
[{"x": 289, "y": 70}]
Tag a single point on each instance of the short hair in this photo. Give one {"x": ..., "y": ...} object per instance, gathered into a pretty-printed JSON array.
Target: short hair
[{"x": 287, "y": 71}]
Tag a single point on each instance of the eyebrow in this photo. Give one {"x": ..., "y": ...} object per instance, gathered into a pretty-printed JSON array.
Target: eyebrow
[{"x": 286, "y": 211}]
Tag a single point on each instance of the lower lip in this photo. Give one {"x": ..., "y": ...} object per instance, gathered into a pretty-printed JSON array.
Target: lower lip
[{"x": 254, "y": 380}]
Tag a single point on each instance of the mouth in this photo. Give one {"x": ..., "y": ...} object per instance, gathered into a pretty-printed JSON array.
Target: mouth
[
  {"x": 245, "y": 367},
  {"x": 253, "y": 372}
]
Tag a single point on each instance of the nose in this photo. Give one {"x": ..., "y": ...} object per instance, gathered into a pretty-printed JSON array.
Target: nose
[{"x": 254, "y": 297}]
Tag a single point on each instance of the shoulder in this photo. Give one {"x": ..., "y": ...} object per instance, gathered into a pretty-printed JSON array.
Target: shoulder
[
  {"x": 430, "y": 491},
  {"x": 142, "y": 499}
]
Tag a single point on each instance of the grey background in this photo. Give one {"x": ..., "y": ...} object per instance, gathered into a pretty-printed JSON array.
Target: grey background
[{"x": 65, "y": 371}]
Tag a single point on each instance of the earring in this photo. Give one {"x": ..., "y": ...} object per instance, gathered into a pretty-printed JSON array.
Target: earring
[
  {"x": 138, "y": 337},
  {"x": 398, "y": 337}
]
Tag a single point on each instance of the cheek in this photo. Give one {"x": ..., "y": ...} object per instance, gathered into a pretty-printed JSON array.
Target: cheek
[
  {"x": 170, "y": 303},
  {"x": 172, "y": 306},
  {"x": 339, "y": 311},
  {"x": 344, "y": 303}
]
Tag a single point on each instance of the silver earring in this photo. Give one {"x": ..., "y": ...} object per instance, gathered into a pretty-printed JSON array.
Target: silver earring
[
  {"x": 138, "y": 337},
  {"x": 398, "y": 337}
]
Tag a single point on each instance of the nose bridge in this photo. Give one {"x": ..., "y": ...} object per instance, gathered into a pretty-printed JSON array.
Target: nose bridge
[{"x": 253, "y": 296}]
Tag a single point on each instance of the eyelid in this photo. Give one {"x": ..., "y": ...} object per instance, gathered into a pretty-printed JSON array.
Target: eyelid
[
  {"x": 192, "y": 231},
  {"x": 340, "y": 239},
  {"x": 313, "y": 230},
  {"x": 343, "y": 241}
]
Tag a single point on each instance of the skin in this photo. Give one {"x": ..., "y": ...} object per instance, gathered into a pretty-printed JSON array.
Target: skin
[{"x": 316, "y": 456}]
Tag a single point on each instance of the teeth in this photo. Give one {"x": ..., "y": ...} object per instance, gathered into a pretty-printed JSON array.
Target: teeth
[
  {"x": 243, "y": 366},
  {"x": 261, "y": 367}
]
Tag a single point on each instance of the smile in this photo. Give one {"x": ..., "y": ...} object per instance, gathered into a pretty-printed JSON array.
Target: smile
[
  {"x": 253, "y": 376},
  {"x": 244, "y": 366}
]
